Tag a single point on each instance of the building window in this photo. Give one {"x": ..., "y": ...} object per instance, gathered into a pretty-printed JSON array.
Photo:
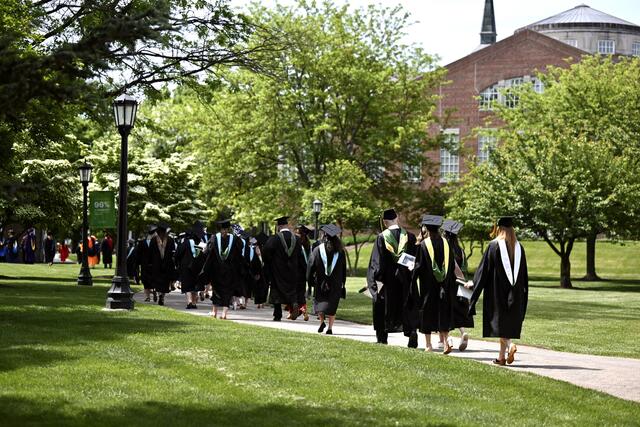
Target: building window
[
  {"x": 449, "y": 161},
  {"x": 606, "y": 47},
  {"x": 538, "y": 86},
  {"x": 573, "y": 43},
  {"x": 510, "y": 98},
  {"x": 412, "y": 172},
  {"x": 635, "y": 49},
  {"x": 486, "y": 144},
  {"x": 489, "y": 98}
]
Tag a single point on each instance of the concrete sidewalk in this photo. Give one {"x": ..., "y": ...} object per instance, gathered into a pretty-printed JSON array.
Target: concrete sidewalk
[{"x": 617, "y": 376}]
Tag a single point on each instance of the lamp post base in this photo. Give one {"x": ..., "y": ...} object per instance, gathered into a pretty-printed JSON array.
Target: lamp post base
[
  {"x": 84, "y": 278},
  {"x": 120, "y": 295}
]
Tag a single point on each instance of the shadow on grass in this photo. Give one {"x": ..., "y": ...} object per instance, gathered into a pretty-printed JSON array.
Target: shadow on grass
[
  {"x": 101, "y": 279},
  {"x": 21, "y": 411},
  {"x": 564, "y": 311},
  {"x": 33, "y": 330}
]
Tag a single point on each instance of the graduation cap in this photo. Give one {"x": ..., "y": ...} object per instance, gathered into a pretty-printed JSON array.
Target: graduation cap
[
  {"x": 452, "y": 226},
  {"x": 245, "y": 235},
  {"x": 505, "y": 221},
  {"x": 303, "y": 229},
  {"x": 331, "y": 230},
  {"x": 152, "y": 228},
  {"x": 283, "y": 220},
  {"x": 163, "y": 226},
  {"x": 431, "y": 220},
  {"x": 389, "y": 214},
  {"x": 224, "y": 223}
]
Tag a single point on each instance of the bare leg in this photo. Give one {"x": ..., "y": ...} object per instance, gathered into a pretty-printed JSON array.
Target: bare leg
[
  {"x": 214, "y": 311},
  {"x": 428, "y": 339},
  {"x": 445, "y": 341},
  {"x": 331, "y": 320},
  {"x": 503, "y": 349},
  {"x": 225, "y": 310}
]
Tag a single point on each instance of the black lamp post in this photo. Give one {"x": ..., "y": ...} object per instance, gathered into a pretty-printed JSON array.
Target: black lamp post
[
  {"x": 120, "y": 295},
  {"x": 317, "y": 208},
  {"x": 84, "y": 278}
]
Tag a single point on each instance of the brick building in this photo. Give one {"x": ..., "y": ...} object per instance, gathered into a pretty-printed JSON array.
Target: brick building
[{"x": 477, "y": 81}]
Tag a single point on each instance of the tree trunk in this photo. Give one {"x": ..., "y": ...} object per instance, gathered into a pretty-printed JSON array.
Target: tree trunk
[
  {"x": 591, "y": 275},
  {"x": 565, "y": 271}
]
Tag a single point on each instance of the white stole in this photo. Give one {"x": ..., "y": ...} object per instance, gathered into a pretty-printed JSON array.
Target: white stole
[{"x": 504, "y": 255}]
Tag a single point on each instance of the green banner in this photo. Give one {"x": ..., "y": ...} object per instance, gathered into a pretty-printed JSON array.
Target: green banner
[{"x": 102, "y": 209}]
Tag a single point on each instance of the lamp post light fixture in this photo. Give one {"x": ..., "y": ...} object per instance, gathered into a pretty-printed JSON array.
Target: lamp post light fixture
[
  {"x": 317, "y": 208},
  {"x": 84, "y": 278},
  {"x": 120, "y": 295}
]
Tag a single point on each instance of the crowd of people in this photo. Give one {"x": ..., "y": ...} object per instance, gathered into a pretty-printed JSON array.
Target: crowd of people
[
  {"x": 418, "y": 284},
  {"x": 23, "y": 248}
]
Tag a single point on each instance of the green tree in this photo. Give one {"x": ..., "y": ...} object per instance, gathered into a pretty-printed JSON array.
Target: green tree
[
  {"x": 345, "y": 87},
  {"x": 63, "y": 59},
  {"x": 346, "y": 194},
  {"x": 559, "y": 182}
]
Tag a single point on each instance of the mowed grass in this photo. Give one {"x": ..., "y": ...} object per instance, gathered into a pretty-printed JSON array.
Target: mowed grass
[
  {"x": 65, "y": 361},
  {"x": 596, "y": 318}
]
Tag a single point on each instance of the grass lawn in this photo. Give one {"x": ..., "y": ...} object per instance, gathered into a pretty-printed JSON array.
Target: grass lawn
[
  {"x": 597, "y": 318},
  {"x": 65, "y": 361}
]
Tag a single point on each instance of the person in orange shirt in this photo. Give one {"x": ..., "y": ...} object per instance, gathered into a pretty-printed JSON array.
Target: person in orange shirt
[{"x": 94, "y": 251}]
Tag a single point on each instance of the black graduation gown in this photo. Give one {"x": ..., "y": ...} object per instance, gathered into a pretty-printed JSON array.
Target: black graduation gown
[
  {"x": 260, "y": 286},
  {"x": 143, "y": 260},
  {"x": 504, "y": 306},
  {"x": 303, "y": 262},
  {"x": 394, "y": 308},
  {"x": 225, "y": 275},
  {"x": 162, "y": 268},
  {"x": 435, "y": 300},
  {"x": 132, "y": 263},
  {"x": 327, "y": 289},
  {"x": 49, "y": 250},
  {"x": 185, "y": 262},
  {"x": 282, "y": 270},
  {"x": 461, "y": 316}
]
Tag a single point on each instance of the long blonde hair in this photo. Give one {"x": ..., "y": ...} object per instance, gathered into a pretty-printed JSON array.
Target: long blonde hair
[{"x": 508, "y": 234}]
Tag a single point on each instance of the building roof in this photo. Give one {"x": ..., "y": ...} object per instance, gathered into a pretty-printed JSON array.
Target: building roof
[
  {"x": 581, "y": 14},
  {"x": 523, "y": 36}
]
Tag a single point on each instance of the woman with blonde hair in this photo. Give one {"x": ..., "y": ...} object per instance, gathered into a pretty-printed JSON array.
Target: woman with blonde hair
[{"x": 503, "y": 276}]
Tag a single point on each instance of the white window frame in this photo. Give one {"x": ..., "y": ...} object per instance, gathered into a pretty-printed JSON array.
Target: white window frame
[
  {"x": 572, "y": 42},
  {"x": 606, "y": 47},
  {"x": 487, "y": 142},
  {"x": 489, "y": 97},
  {"x": 635, "y": 48},
  {"x": 450, "y": 163}
]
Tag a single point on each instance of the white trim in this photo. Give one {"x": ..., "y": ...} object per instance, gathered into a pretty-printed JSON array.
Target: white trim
[{"x": 506, "y": 264}]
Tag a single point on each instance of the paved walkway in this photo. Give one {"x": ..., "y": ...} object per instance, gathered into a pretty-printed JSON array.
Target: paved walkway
[{"x": 617, "y": 376}]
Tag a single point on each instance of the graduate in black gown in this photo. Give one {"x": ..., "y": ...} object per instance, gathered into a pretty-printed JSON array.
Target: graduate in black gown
[
  {"x": 13, "y": 248},
  {"x": 223, "y": 267},
  {"x": 389, "y": 283},
  {"x": 132, "y": 263},
  {"x": 435, "y": 270},
  {"x": 162, "y": 268},
  {"x": 461, "y": 317},
  {"x": 256, "y": 269},
  {"x": 185, "y": 257},
  {"x": 327, "y": 274},
  {"x": 143, "y": 260},
  {"x": 49, "y": 248},
  {"x": 302, "y": 232},
  {"x": 281, "y": 255},
  {"x": 503, "y": 276}
]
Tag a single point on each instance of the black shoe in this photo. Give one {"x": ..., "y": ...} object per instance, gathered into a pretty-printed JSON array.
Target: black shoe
[
  {"x": 155, "y": 297},
  {"x": 329, "y": 332},
  {"x": 201, "y": 296},
  {"x": 193, "y": 306},
  {"x": 147, "y": 299},
  {"x": 277, "y": 319},
  {"x": 321, "y": 328},
  {"x": 413, "y": 340},
  {"x": 160, "y": 300}
]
